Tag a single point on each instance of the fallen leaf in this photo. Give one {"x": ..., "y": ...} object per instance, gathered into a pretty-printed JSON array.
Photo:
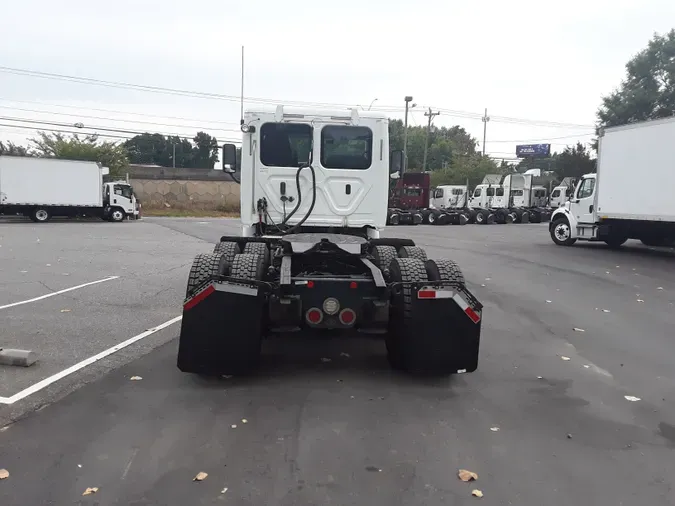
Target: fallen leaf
[
  {"x": 234, "y": 425},
  {"x": 607, "y": 272},
  {"x": 659, "y": 288},
  {"x": 346, "y": 355},
  {"x": 4, "y": 474},
  {"x": 373, "y": 469},
  {"x": 90, "y": 491},
  {"x": 465, "y": 475},
  {"x": 618, "y": 266},
  {"x": 200, "y": 476},
  {"x": 540, "y": 377},
  {"x": 565, "y": 358},
  {"x": 244, "y": 420},
  {"x": 577, "y": 329},
  {"x": 79, "y": 465},
  {"x": 65, "y": 310},
  {"x": 324, "y": 359},
  {"x": 587, "y": 366},
  {"x": 477, "y": 493},
  {"x": 483, "y": 284},
  {"x": 548, "y": 301},
  {"x": 494, "y": 429},
  {"x": 569, "y": 436},
  {"x": 640, "y": 300},
  {"x": 224, "y": 490},
  {"x": 632, "y": 398},
  {"x": 606, "y": 311},
  {"x": 135, "y": 378}
]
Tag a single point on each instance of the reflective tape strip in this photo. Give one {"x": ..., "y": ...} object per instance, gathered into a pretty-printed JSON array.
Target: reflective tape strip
[
  {"x": 199, "y": 297},
  {"x": 428, "y": 292},
  {"x": 468, "y": 310}
]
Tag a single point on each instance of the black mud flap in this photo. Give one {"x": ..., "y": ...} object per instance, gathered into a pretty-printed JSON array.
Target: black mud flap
[
  {"x": 222, "y": 328},
  {"x": 447, "y": 323}
]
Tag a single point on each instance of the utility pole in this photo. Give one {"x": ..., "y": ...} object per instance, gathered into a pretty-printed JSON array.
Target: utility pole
[
  {"x": 407, "y": 99},
  {"x": 174, "y": 154},
  {"x": 431, "y": 115},
  {"x": 485, "y": 120}
]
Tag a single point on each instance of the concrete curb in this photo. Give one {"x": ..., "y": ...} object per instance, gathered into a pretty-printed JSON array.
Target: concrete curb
[{"x": 20, "y": 358}]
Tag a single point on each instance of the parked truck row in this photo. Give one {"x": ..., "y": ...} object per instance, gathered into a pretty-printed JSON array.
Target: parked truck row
[
  {"x": 42, "y": 188},
  {"x": 511, "y": 198}
]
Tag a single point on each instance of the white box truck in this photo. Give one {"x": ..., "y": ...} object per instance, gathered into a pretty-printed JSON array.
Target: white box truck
[
  {"x": 629, "y": 197},
  {"x": 41, "y": 188}
]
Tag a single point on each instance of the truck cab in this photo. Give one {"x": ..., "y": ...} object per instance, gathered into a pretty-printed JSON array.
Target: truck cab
[
  {"x": 119, "y": 201},
  {"x": 449, "y": 197}
]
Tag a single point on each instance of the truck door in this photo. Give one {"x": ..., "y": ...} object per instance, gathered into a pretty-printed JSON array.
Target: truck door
[
  {"x": 476, "y": 200},
  {"x": 437, "y": 199},
  {"x": 584, "y": 209}
]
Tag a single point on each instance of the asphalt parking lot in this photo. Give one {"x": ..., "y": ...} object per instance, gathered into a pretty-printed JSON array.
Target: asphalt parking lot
[{"x": 573, "y": 401}]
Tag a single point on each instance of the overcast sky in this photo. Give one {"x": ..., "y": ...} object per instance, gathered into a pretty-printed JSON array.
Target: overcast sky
[{"x": 522, "y": 59}]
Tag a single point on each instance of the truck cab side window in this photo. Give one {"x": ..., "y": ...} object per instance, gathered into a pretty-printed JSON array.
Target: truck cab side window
[
  {"x": 490, "y": 192},
  {"x": 555, "y": 194},
  {"x": 586, "y": 188},
  {"x": 477, "y": 192},
  {"x": 500, "y": 192},
  {"x": 438, "y": 194}
]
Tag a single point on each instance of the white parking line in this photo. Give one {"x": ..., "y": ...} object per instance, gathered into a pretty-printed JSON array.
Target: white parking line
[
  {"x": 80, "y": 365},
  {"x": 58, "y": 293}
]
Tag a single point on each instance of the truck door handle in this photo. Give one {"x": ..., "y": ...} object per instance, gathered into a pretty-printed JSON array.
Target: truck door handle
[
  {"x": 348, "y": 189},
  {"x": 114, "y": 201},
  {"x": 590, "y": 208}
]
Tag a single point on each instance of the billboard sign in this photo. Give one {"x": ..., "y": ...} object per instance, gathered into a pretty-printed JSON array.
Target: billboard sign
[{"x": 533, "y": 150}]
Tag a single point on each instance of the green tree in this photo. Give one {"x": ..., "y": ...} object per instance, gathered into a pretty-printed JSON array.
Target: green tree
[
  {"x": 648, "y": 91},
  {"x": 574, "y": 161},
  {"x": 11, "y": 149},
  {"x": 206, "y": 152},
  {"x": 57, "y": 145}
]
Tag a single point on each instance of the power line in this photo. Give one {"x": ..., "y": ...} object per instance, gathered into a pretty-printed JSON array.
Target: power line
[
  {"x": 98, "y": 128},
  {"x": 120, "y": 120},
  {"x": 117, "y": 111},
  {"x": 233, "y": 98}
]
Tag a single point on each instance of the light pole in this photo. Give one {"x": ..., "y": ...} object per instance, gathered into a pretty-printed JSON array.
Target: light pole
[
  {"x": 407, "y": 99},
  {"x": 371, "y": 104}
]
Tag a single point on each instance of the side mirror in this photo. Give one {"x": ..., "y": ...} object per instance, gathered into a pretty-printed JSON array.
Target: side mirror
[
  {"x": 229, "y": 158},
  {"x": 395, "y": 161}
]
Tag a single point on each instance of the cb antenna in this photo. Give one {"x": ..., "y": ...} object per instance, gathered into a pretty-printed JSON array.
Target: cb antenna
[{"x": 241, "y": 122}]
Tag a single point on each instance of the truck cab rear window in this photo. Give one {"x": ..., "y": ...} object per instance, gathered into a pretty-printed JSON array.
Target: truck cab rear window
[
  {"x": 285, "y": 144},
  {"x": 346, "y": 147}
]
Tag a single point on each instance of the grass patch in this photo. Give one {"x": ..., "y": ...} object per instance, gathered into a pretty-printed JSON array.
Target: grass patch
[{"x": 188, "y": 213}]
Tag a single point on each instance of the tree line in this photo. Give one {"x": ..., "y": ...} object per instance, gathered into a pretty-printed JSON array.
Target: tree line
[{"x": 647, "y": 92}]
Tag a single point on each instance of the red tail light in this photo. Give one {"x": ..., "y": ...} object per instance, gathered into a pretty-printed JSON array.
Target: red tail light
[
  {"x": 314, "y": 316},
  {"x": 347, "y": 316}
]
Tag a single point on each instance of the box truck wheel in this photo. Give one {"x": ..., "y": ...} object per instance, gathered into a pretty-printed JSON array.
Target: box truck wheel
[
  {"x": 40, "y": 215},
  {"x": 561, "y": 232},
  {"x": 117, "y": 214}
]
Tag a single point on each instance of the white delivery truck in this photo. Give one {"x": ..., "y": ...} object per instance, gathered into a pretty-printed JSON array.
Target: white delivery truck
[
  {"x": 630, "y": 195},
  {"x": 44, "y": 187}
]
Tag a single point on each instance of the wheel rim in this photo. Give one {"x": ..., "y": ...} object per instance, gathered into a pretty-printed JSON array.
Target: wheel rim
[
  {"x": 432, "y": 218},
  {"x": 117, "y": 215},
  {"x": 562, "y": 231},
  {"x": 41, "y": 215},
  {"x": 479, "y": 218}
]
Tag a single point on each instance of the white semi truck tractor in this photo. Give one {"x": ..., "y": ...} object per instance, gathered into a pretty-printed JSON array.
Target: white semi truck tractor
[
  {"x": 310, "y": 258},
  {"x": 629, "y": 197}
]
